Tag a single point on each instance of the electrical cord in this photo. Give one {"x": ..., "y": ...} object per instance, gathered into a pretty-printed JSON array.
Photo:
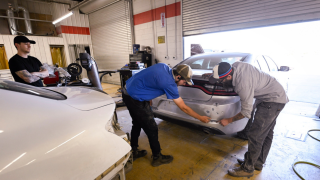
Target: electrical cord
[{"x": 305, "y": 162}]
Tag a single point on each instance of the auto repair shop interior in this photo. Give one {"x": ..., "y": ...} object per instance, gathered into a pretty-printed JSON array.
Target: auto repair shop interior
[{"x": 96, "y": 52}]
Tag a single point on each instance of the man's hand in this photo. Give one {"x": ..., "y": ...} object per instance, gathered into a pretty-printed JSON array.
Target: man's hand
[
  {"x": 225, "y": 121},
  {"x": 204, "y": 119},
  {"x": 180, "y": 103},
  {"x": 42, "y": 73}
]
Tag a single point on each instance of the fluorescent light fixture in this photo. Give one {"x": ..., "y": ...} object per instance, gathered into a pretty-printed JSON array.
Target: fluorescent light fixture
[{"x": 62, "y": 18}]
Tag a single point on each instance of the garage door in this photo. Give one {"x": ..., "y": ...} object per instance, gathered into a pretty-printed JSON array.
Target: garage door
[
  {"x": 111, "y": 37},
  {"x": 207, "y": 16}
]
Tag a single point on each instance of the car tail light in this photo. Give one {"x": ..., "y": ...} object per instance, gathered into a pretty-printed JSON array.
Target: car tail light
[{"x": 212, "y": 89}]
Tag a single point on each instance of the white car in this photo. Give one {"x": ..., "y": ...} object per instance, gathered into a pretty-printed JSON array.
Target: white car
[
  {"x": 212, "y": 99},
  {"x": 60, "y": 133}
]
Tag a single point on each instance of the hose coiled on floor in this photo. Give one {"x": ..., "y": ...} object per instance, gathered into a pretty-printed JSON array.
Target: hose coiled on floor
[{"x": 305, "y": 162}]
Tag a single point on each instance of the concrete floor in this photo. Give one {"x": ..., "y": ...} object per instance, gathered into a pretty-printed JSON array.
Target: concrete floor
[{"x": 202, "y": 156}]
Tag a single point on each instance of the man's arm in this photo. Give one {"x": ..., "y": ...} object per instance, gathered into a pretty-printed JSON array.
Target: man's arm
[
  {"x": 42, "y": 73},
  {"x": 180, "y": 103},
  {"x": 246, "y": 97},
  {"x": 226, "y": 121},
  {"x": 27, "y": 77}
]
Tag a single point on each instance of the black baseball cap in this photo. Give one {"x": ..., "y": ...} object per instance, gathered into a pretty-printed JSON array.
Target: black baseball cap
[{"x": 20, "y": 39}]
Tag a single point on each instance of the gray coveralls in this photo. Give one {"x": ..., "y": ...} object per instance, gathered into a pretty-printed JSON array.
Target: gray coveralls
[{"x": 250, "y": 83}]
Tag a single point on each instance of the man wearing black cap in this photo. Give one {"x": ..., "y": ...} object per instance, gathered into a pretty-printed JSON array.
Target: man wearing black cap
[
  {"x": 146, "y": 85},
  {"x": 249, "y": 83},
  {"x": 24, "y": 68}
]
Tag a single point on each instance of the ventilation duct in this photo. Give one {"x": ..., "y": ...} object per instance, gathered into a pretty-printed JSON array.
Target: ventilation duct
[
  {"x": 27, "y": 22},
  {"x": 12, "y": 23}
]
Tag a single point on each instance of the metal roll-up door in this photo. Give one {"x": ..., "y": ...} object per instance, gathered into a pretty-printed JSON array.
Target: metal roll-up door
[
  {"x": 208, "y": 16},
  {"x": 111, "y": 37}
]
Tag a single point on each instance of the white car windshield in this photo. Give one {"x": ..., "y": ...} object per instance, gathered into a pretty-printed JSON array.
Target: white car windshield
[
  {"x": 32, "y": 90},
  {"x": 208, "y": 61}
]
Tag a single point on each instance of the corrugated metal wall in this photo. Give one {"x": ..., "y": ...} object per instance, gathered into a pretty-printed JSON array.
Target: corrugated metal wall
[
  {"x": 207, "y": 16},
  {"x": 111, "y": 37}
]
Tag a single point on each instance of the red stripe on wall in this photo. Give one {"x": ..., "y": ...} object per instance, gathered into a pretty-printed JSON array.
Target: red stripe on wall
[
  {"x": 154, "y": 14},
  {"x": 72, "y": 30}
]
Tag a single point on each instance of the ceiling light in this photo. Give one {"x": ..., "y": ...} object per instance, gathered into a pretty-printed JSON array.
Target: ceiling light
[{"x": 62, "y": 18}]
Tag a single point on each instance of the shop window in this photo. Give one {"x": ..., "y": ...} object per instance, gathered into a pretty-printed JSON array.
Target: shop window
[
  {"x": 3, "y": 58},
  {"x": 58, "y": 57}
]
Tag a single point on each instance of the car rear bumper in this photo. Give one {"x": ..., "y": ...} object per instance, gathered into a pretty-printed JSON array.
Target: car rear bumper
[
  {"x": 191, "y": 125},
  {"x": 166, "y": 109}
]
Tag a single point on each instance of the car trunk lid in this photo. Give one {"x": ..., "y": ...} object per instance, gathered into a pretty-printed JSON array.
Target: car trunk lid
[{"x": 84, "y": 99}]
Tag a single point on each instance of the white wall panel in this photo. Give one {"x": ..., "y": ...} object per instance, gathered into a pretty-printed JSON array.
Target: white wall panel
[
  {"x": 47, "y": 50},
  {"x": 1, "y": 40},
  {"x": 146, "y": 34},
  {"x": 8, "y": 43}
]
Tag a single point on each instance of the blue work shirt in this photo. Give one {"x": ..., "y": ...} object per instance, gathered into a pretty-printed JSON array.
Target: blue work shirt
[{"x": 153, "y": 82}]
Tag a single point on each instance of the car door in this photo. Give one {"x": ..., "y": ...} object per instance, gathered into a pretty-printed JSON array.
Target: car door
[
  {"x": 281, "y": 76},
  {"x": 262, "y": 64}
]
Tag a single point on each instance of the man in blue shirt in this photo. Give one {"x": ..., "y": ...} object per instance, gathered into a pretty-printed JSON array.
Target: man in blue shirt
[{"x": 146, "y": 85}]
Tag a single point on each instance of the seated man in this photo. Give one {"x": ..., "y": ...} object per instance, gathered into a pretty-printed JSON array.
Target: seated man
[{"x": 24, "y": 68}]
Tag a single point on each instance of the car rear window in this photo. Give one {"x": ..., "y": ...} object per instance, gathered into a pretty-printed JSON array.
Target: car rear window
[
  {"x": 32, "y": 90},
  {"x": 208, "y": 62}
]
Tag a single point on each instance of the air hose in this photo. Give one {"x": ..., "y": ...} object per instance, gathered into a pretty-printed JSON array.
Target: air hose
[
  {"x": 305, "y": 162},
  {"x": 311, "y": 135}
]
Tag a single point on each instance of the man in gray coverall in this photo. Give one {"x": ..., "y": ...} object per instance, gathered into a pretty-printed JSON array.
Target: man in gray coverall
[{"x": 249, "y": 83}]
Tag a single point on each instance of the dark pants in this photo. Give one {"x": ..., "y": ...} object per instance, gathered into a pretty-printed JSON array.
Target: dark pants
[
  {"x": 142, "y": 118},
  {"x": 260, "y": 134},
  {"x": 247, "y": 128}
]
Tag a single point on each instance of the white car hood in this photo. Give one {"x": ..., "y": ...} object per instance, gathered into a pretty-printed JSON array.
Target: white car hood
[
  {"x": 42, "y": 138},
  {"x": 84, "y": 99}
]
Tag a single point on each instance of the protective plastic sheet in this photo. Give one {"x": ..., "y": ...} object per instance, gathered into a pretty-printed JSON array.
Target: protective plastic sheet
[
  {"x": 3, "y": 59},
  {"x": 57, "y": 56}
]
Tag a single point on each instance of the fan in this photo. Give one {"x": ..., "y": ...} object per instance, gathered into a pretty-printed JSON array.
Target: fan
[{"x": 74, "y": 69}]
